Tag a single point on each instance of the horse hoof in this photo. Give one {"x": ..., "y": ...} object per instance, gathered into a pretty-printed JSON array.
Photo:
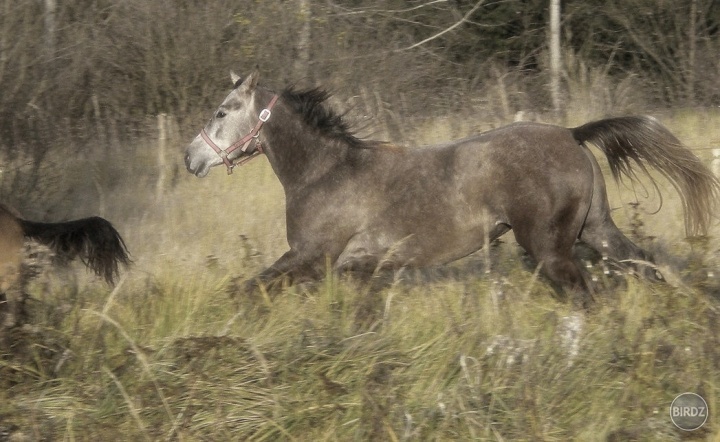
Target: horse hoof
[
  {"x": 584, "y": 302},
  {"x": 239, "y": 286},
  {"x": 250, "y": 287}
]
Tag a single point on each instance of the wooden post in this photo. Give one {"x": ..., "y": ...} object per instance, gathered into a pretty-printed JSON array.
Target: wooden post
[{"x": 162, "y": 156}]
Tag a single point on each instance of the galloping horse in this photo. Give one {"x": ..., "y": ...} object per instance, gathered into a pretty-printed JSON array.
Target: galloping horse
[
  {"x": 93, "y": 240},
  {"x": 366, "y": 205}
]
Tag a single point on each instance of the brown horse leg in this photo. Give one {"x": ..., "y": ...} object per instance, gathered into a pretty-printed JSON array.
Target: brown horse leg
[
  {"x": 559, "y": 264},
  {"x": 604, "y": 236},
  {"x": 551, "y": 243},
  {"x": 369, "y": 271},
  {"x": 565, "y": 271},
  {"x": 601, "y": 233},
  {"x": 291, "y": 267}
]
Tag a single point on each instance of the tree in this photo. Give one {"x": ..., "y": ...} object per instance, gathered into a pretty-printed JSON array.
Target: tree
[{"x": 555, "y": 61}]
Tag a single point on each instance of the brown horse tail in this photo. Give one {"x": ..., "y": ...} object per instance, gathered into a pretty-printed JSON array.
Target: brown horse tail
[
  {"x": 629, "y": 141},
  {"x": 94, "y": 240}
]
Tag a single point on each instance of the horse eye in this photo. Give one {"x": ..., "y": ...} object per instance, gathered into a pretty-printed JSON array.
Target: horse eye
[{"x": 220, "y": 114}]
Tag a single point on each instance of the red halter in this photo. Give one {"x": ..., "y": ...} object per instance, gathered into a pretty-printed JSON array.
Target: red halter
[{"x": 244, "y": 142}]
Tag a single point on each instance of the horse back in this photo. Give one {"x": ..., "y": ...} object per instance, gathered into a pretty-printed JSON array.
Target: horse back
[
  {"x": 440, "y": 202},
  {"x": 519, "y": 156}
]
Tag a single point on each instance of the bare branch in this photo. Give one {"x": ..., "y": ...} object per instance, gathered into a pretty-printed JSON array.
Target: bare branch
[
  {"x": 464, "y": 19},
  {"x": 415, "y": 8},
  {"x": 350, "y": 11}
]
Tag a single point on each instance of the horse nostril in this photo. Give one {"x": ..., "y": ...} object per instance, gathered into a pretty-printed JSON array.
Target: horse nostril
[{"x": 188, "y": 164}]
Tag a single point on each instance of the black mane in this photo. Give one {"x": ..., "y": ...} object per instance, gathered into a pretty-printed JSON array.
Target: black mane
[{"x": 312, "y": 105}]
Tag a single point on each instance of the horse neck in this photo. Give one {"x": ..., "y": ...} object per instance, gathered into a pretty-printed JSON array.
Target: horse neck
[{"x": 299, "y": 155}]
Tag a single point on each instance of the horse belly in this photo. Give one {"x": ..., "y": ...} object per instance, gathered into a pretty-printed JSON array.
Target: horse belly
[
  {"x": 457, "y": 243},
  {"x": 422, "y": 247}
]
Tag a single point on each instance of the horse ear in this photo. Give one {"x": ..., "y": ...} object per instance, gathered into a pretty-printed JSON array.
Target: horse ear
[
  {"x": 234, "y": 77},
  {"x": 249, "y": 83}
]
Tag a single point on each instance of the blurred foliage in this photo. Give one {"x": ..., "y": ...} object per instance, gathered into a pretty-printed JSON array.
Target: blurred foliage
[
  {"x": 83, "y": 77},
  {"x": 101, "y": 59}
]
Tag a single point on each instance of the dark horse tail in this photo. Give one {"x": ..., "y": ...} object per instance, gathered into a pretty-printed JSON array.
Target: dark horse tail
[
  {"x": 94, "y": 240},
  {"x": 632, "y": 142}
]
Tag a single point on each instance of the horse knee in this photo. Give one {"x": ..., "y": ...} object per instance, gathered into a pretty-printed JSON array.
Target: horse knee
[
  {"x": 570, "y": 280},
  {"x": 566, "y": 272}
]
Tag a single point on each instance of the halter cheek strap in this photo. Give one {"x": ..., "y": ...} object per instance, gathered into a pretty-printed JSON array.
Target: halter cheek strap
[{"x": 244, "y": 143}]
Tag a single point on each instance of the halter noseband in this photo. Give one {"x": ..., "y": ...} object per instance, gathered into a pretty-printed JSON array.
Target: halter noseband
[{"x": 244, "y": 142}]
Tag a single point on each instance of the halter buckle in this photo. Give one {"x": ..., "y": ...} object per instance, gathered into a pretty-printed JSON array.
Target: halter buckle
[{"x": 264, "y": 115}]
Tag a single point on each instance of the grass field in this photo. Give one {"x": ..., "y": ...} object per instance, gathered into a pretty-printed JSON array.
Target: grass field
[{"x": 475, "y": 351}]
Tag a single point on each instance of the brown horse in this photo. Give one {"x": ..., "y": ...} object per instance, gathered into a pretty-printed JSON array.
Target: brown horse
[
  {"x": 93, "y": 240},
  {"x": 363, "y": 206}
]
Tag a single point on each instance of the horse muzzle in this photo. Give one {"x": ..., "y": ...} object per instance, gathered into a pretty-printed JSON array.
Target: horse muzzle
[{"x": 196, "y": 163}]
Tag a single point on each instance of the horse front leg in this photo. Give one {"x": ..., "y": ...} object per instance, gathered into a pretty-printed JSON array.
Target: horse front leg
[{"x": 292, "y": 267}]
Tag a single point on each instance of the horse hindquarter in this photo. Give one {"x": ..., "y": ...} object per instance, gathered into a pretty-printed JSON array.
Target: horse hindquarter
[{"x": 544, "y": 183}]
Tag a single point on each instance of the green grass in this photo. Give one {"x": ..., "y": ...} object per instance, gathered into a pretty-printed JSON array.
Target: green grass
[{"x": 168, "y": 355}]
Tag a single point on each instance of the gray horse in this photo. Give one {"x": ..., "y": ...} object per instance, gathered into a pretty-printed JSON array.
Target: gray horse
[{"x": 366, "y": 205}]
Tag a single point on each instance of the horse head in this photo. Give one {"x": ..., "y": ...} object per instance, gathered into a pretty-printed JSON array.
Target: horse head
[{"x": 232, "y": 132}]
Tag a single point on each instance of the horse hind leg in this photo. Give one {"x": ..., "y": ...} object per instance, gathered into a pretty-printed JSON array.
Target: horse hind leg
[
  {"x": 603, "y": 235},
  {"x": 551, "y": 244},
  {"x": 565, "y": 273}
]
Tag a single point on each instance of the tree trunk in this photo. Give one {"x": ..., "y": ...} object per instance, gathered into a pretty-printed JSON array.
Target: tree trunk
[
  {"x": 555, "y": 55},
  {"x": 692, "y": 50},
  {"x": 302, "y": 60},
  {"x": 50, "y": 27},
  {"x": 162, "y": 125}
]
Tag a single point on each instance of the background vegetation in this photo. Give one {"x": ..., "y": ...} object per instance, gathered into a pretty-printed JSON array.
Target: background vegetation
[{"x": 98, "y": 100}]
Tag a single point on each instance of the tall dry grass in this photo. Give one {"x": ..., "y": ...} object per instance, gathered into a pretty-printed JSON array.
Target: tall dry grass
[{"x": 454, "y": 354}]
